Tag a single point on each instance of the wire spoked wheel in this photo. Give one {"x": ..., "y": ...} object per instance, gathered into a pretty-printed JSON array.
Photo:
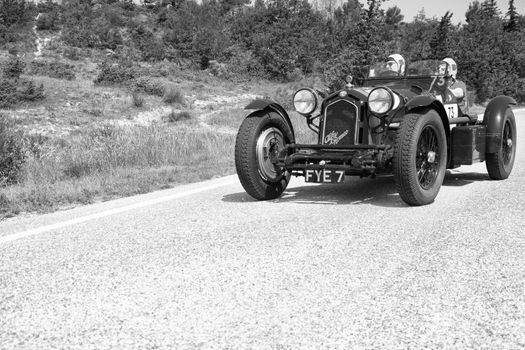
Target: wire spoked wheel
[
  {"x": 427, "y": 158},
  {"x": 420, "y": 155},
  {"x": 507, "y": 143}
]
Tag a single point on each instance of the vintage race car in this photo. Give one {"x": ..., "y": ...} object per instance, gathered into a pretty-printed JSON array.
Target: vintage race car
[{"x": 409, "y": 125}]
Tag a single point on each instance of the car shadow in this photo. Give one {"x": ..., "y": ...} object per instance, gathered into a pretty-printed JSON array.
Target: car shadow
[
  {"x": 457, "y": 179},
  {"x": 380, "y": 191}
]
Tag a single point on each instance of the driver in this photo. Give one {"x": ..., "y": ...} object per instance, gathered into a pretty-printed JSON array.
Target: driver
[
  {"x": 456, "y": 89},
  {"x": 396, "y": 63}
]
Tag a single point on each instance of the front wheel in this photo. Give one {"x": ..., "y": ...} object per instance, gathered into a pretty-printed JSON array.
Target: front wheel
[
  {"x": 499, "y": 164},
  {"x": 420, "y": 157},
  {"x": 260, "y": 138}
]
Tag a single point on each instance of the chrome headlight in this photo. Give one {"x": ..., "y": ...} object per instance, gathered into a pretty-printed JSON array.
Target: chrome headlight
[
  {"x": 305, "y": 101},
  {"x": 382, "y": 100}
]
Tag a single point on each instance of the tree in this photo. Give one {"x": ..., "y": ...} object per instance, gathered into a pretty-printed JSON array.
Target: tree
[
  {"x": 343, "y": 26},
  {"x": 440, "y": 44},
  {"x": 416, "y": 36},
  {"x": 349, "y": 13},
  {"x": 473, "y": 12},
  {"x": 512, "y": 23},
  {"x": 283, "y": 34},
  {"x": 490, "y": 8},
  {"x": 393, "y": 16},
  {"x": 485, "y": 61},
  {"x": 371, "y": 36},
  {"x": 15, "y": 11},
  {"x": 229, "y": 5}
]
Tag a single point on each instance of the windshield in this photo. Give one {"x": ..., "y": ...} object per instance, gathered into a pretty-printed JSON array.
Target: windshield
[
  {"x": 426, "y": 68},
  {"x": 383, "y": 69}
]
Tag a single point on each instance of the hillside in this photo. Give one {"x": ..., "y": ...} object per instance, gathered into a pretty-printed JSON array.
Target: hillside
[{"x": 89, "y": 138}]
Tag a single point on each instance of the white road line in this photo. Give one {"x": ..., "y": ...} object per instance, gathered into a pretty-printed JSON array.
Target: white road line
[{"x": 106, "y": 213}]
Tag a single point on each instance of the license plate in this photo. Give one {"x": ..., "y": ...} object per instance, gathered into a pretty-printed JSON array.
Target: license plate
[{"x": 323, "y": 175}]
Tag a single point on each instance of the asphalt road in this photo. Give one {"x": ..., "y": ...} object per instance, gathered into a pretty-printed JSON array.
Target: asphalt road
[{"x": 325, "y": 266}]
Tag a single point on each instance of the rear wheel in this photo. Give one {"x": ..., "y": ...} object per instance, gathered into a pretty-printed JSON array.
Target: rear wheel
[
  {"x": 499, "y": 164},
  {"x": 420, "y": 156},
  {"x": 260, "y": 138}
]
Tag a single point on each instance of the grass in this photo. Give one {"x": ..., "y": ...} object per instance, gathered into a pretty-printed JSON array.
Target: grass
[
  {"x": 114, "y": 161},
  {"x": 230, "y": 117}
]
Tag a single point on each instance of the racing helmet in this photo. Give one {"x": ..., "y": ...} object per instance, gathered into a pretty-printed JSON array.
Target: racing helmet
[
  {"x": 451, "y": 65},
  {"x": 396, "y": 63}
]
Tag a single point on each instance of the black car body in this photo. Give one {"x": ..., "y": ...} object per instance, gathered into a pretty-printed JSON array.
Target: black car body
[{"x": 410, "y": 125}]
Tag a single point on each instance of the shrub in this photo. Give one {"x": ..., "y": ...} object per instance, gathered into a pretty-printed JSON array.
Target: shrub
[
  {"x": 28, "y": 91},
  {"x": 55, "y": 69},
  {"x": 127, "y": 5},
  {"x": 47, "y": 6},
  {"x": 4, "y": 204},
  {"x": 295, "y": 75},
  {"x": 7, "y": 92},
  {"x": 114, "y": 16},
  {"x": 520, "y": 93},
  {"x": 174, "y": 117},
  {"x": 13, "y": 67},
  {"x": 173, "y": 95},
  {"x": 14, "y": 91},
  {"x": 86, "y": 26},
  {"x": 12, "y": 155},
  {"x": 79, "y": 35},
  {"x": 148, "y": 86},
  {"x": 150, "y": 47},
  {"x": 137, "y": 99},
  {"x": 47, "y": 21},
  {"x": 115, "y": 72},
  {"x": 110, "y": 38},
  {"x": 241, "y": 64},
  {"x": 72, "y": 53},
  {"x": 16, "y": 12},
  {"x": 35, "y": 144}
]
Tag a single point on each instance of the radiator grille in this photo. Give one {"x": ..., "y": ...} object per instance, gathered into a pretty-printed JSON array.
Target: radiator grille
[{"x": 340, "y": 126}]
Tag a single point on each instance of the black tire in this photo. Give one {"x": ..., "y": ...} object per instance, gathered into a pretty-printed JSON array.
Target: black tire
[
  {"x": 499, "y": 164},
  {"x": 420, "y": 157},
  {"x": 263, "y": 131}
]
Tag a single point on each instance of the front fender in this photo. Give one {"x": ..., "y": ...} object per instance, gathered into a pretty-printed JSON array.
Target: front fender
[
  {"x": 427, "y": 102},
  {"x": 273, "y": 106},
  {"x": 423, "y": 102},
  {"x": 493, "y": 119}
]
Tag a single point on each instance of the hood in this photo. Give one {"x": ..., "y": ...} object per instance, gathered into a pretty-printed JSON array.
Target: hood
[{"x": 403, "y": 90}]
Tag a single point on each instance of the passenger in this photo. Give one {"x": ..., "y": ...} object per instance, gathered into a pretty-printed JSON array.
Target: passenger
[{"x": 456, "y": 89}]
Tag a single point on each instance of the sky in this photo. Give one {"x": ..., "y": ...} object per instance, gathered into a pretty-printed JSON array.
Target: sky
[{"x": 437, "y": 8}]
